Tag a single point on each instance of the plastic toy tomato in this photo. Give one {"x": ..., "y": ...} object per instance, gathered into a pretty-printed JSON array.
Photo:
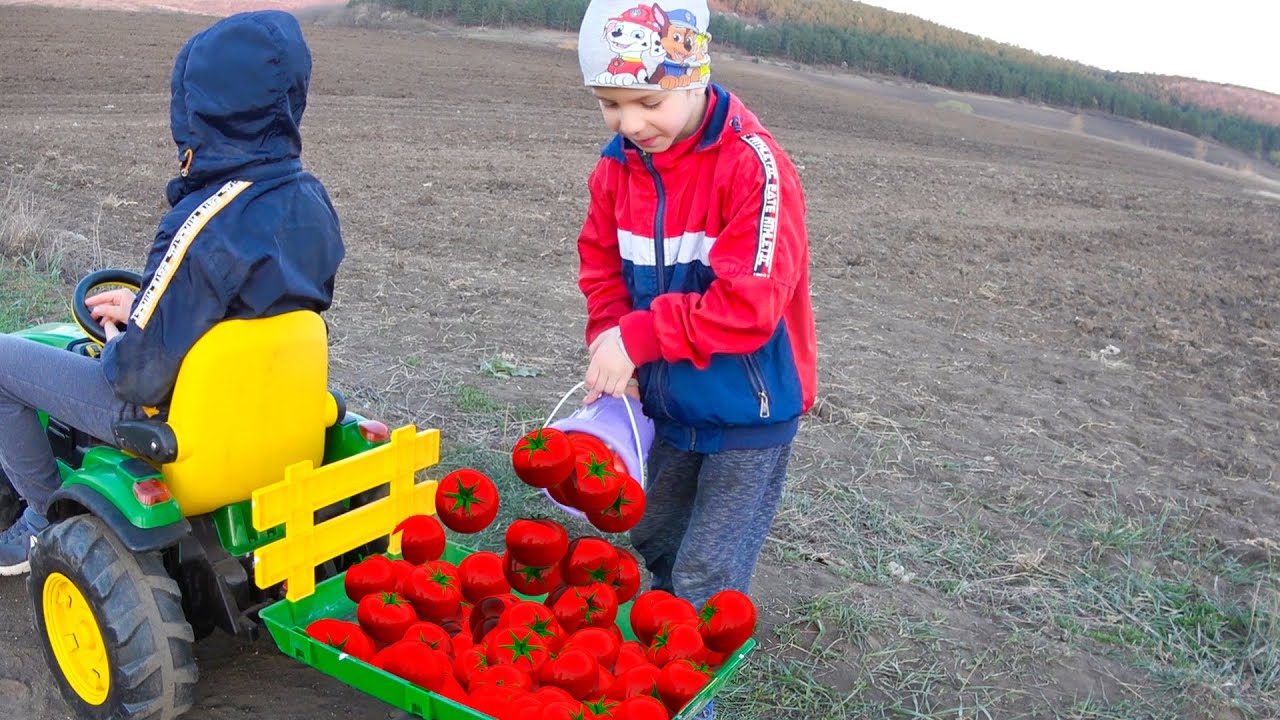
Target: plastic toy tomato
[
  {"x": 415, "y": 662},
  {"x": 374, "y": 574},
  {"x": 597, "y": 641},
  {"x": 543, "y": 458},
  {"x": 596, "y": 483},
  {"x": 624, "y": 511},
  {"x": 585, "y": 442},
  {"x": 638, "y": 680},
  {"x": 421, "y": 539},
  {"x": 594, "y": 605},
  {"x": 680, "y": 681},
  {"x": 600, "y": 708},
  {"x": 588, "y": 560},
  {"x": 574, "y": 671},
  {"x": 481, "y": 576},
  {"x": 536, "y": 618},
  {"x": 435, "y": 593},
  {"x": 501, "y": 677},
  {"x": 385, "y": 616},
  {"x": 643, "y": 622},
  {"x": 626, "y": 579},
  {"x": 641, "y": 707},
  {"x": 517, "y": 646},
  {"x": 469, "y": 662},
  {"x": 630, "y": 654},
  {"x": 431, "y": 635},
  {"x": 466, "y": 501},
  {"x": 676, "y": 642},
  {"x": 726, "y": 621},
  {"x": 529, "y": 580},
  {"x": 537, "y": 542},
  {"x": 343, "y": 636}
]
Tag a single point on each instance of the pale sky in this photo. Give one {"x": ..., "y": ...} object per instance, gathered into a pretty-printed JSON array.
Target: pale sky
[{"x": 1226, "y": 41}]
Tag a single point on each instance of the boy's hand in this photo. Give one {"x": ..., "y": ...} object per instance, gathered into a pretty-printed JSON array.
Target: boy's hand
[
  {"x": 111, "y": 307},
  {"x": 610, "y": 369}
]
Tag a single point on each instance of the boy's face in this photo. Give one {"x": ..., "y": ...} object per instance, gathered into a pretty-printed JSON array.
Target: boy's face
[{"x": 652, "y": 119}]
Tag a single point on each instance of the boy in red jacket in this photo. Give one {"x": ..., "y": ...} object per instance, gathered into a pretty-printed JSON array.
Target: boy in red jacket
[{"x": 695, "y": 268}]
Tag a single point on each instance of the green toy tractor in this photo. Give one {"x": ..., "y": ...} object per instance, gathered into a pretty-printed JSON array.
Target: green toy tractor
[{"x": 151, "y": 540}]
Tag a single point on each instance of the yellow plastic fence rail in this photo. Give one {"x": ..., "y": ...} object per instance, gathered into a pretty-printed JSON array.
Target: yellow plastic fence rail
[{"x": 306, "y": 489}]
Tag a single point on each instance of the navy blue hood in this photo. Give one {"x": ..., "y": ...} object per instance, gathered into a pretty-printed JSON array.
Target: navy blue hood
[{"x": 239, "y": 90}]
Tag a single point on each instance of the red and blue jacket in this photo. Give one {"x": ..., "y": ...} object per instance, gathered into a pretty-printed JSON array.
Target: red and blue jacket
[{"x": 700, "y": 254}]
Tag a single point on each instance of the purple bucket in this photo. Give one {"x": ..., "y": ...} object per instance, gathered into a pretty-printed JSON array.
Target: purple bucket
[{"x": 607, "y": 419}]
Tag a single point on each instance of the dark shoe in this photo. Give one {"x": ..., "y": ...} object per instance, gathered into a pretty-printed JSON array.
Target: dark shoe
[
  {"x": 15, "y": 545},
  {"x": 11, "y": 506}
]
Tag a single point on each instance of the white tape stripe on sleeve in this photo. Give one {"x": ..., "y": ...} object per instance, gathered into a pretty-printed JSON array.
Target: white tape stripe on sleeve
[
  {"x": 767, "y": 238},
  {"x": 182, "y": 240}
]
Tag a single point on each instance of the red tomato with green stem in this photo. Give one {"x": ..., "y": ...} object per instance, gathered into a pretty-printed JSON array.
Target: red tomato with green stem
[
  {"x": 517, "y": 646},
  {"x": 565, "y": 493},
  {"x": 469, "y": 662},
  {"x": 676, "y": 642},
  {"x": 635, "y": 681},
  {"x": 385, "y": 616},
  {"x": 421, "y": 539},
  {"x": 435, "y": 594},
  {"x": 374, "y": 574},
  {"x": 643, "y": 622},
  {"x": 528, "y": 580},
  {"x": 588, "y": 560},
  {"x": 680, "y": 681},
  {"x": 466, "y": 501},
  {"x": 343, "y": 636},
  {"x": 543, "y": 458},
  {"x": 417, "y": 663},
  {"x": 574, "y": 671},
  {"x": 626, "y": 580},
  {"x": 481, "y": 575},
  {"x": 504, "y": 678},
  {"x": 538, "y": 619},
  {"x": 641, "y": 707},
  {"x": 537, "y": 542},
  {"x": 596, "y": 484},
  {"x": 624, "y": 511},
  {"x": 431, "y": 635},
  {"x": 588, "y": 443},
  {"x": 594, "y": 605},
  {"x": 630, "y": 654},
  {"x": 727, "y": 621},
  {"x": 597, "y": 641},
  {"x": 600, "y": 708}
]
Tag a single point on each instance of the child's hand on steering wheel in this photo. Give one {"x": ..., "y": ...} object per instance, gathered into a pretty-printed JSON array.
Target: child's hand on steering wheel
[{"x": 109, "y": 308}]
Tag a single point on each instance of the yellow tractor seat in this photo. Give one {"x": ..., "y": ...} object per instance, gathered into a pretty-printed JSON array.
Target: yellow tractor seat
[{"x": 251, "y": 399}]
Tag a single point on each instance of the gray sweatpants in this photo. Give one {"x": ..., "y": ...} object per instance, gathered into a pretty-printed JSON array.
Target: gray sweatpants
[
  {"x": 67, "y": 386},
  {"x": 707, "y": 516}
]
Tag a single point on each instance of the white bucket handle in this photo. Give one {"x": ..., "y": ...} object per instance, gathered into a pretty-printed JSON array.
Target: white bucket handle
[{"x": 635, "y": 430}]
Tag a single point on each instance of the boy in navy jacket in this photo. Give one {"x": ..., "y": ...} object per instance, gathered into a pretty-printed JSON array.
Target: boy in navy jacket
[{"x": 251, "y": 234}]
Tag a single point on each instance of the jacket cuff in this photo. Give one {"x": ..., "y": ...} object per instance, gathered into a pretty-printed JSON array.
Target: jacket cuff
[{"x": 639, "y": 337}]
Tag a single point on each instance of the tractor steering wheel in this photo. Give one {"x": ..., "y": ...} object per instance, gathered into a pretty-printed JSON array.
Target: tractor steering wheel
[{"x": 91, "y": 285}]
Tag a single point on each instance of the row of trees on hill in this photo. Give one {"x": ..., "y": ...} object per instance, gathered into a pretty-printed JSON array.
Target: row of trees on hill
[{"x": 836, "y": 32}]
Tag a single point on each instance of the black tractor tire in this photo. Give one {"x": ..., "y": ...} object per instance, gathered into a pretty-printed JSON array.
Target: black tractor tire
[{"x": 150, "y": 665}]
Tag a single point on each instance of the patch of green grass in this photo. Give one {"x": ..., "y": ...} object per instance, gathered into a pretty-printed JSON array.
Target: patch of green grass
[
  {"x": 955, "y": 106},
  {"x": 30, "y": 295}
]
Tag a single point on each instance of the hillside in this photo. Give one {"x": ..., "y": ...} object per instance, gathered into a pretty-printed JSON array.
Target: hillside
[{"x": 1258, "y": 105}]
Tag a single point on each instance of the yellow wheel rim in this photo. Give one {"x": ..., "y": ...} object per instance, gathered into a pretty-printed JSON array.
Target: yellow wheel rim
[{"x": 76, "y": 639}]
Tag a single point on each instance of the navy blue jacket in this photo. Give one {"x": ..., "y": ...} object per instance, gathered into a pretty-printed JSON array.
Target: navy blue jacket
[{"x": 250, "y": 234}]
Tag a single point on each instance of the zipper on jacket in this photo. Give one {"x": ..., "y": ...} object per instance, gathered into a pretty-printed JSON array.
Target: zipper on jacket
[
  {"x": 659, "y": 242},
  {"x": 757, "y": 382}
]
